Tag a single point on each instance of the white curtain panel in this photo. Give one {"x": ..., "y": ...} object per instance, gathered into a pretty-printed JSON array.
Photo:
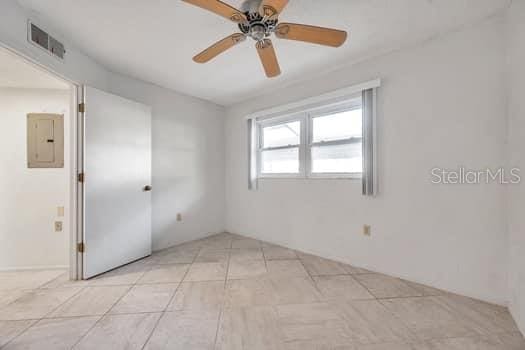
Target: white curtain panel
[
  {"x": 252, "y": 154},
  {"x": 369, "y": 143}
]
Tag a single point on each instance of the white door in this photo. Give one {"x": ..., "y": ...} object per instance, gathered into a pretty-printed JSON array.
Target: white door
[{"x": 117, "y": 168}]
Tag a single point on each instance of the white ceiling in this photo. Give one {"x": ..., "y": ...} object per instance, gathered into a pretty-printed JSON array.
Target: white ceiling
[
  {"x": 156, "y": 40},
  {"x": 17, "y": 73}
]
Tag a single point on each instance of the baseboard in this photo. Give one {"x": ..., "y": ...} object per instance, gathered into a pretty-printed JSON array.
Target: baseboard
[{"x": 34, "y": 268}]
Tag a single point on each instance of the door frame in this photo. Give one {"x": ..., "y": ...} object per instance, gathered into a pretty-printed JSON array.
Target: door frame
[{"x": 76, "y": 145}]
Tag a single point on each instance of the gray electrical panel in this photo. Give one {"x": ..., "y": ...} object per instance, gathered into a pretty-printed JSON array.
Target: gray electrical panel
[{"x": 45, "y": 140}]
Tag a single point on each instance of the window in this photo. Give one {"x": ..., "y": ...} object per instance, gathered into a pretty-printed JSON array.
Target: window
[
  {"x": 280, "y": 147},
  {"x": 321, "y": 142}
]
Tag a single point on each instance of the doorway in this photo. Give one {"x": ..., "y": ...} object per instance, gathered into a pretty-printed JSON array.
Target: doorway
[{"x": 37, "y": 153}]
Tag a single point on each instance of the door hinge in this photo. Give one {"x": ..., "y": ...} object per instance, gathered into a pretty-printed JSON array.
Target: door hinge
[
  {"x": 81, "y": 247},
  {"x": 81, "y": 177},
  {"x": 82, "y": 107}
]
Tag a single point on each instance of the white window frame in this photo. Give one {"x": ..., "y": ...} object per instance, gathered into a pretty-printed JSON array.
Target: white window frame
[
  {"x": 301, "y": 146},
  {"x": 323, "y": 112},
  {"x": 306, "y": 140}
]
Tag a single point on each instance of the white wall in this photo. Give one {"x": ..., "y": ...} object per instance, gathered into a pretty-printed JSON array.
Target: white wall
[
  {"x": 188, "y": 162},
  {"x": 188, "y": 138},
  {"x": 441, "y": 104},
  {"x": 76, "y": 67},
  {"x": 516, "y": 74},
  {"x": 30, "y": 197}
]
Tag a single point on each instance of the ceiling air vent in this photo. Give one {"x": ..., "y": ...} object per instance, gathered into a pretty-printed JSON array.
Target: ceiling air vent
[{"x": 43, "y": 40}]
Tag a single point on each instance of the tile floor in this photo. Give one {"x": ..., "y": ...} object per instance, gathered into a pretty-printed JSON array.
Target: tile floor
[{"x": 231, "y": 292}]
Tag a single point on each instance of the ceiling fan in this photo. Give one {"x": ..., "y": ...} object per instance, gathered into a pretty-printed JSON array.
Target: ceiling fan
[{"x": 258, "y": 19}]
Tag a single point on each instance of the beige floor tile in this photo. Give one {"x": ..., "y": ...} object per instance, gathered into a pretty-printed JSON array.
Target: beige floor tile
[
  {"x": 37, "y": 304},
  {"x": 145, "y": 298},
  {"x": 494, "y": 342},
  {"x": 164, "y": 274},
  {"x": 369, "y": 322},
  {"x": 11, "y": 329},
  {"x": 354, "y": 270},
  {"x": 318, "y": 266},
  {"x": 64, "y": 281},
  {"x": 311, "y": 322},
  {"x": 198, "y": 296},
  {"x": 125, "y": 275},
  {"x": 213, "y": 256},
  {"x": 278, "y": 253},
  {"x": 271, "y": 291},
  {"x": 268, "y": 301},
  {"x": 286, "y": 268},
  {"x": 184, "y": 330},
  {"x": 91, "y": 301},
  {"x": 246, "y": 254},
  {"x": 483, "y": 317},
  {"x": 206, "y": 272},
  {"x": 425, "y": 290},
  {"x": 253, "y": 328},
  {"x": 175, "y": 256},
  {"x": 382, "y": 286},
  {"x": 8, "y": 296},
  {"x": 120, "y": 332},
  {"x": 429, "y": 318},
  {"x": 53, "y": 334},
  {"x": 389, "y": 346},
  {"x": 341, "y": 287},
  {"x": 319, "y": 344},
  {"x": 247, "y": 269},
  {"x": 246, "y": 243},
  {"x": 217, "y": 243},
  {"x": 29, "y": 279}
]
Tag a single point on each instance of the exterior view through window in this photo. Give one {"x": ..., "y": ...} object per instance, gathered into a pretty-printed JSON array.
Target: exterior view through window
[{"x": 323, "y": 142}]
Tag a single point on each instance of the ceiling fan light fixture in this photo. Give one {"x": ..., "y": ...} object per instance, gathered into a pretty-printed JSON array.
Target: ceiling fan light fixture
[{"x": 258, "y": 19}]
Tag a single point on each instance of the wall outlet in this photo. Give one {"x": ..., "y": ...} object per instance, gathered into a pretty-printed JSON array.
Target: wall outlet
[
  {"x": 367, "y": 230},
  {"x": 60, "y": 211},
  {"x": 58, "y": 226},
  {"x": 179, "y": 217}
]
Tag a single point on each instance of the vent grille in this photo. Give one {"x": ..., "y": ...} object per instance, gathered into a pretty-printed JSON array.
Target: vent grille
[{"x": 43, "y": 40}]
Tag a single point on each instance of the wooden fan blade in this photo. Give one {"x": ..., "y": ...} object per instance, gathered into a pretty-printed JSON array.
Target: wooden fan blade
[
  {"x": 220, "y": 8},
  {"x": 268, "y": 58},
  {"x": 311, "y": 34},
  {"x": 272, "y": 8},
  {"x": 219, "y": 47}
]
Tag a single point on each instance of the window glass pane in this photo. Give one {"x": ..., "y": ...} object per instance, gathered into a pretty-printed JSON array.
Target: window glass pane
[
  {"x": 337, "y": 159},
  {"x": 338, "y": 126},
  {"x": 282, "y": 135},
  {"x": 282, "y": 161}
]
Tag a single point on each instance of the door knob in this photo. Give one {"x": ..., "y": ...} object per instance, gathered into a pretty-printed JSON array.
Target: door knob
[{"x": 147, "y": 188}]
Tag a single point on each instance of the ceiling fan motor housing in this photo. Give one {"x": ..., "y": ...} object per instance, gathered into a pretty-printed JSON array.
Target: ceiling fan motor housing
[{"x": 257, "y": 27}]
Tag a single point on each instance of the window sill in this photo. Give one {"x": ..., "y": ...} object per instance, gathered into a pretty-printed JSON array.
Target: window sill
[{"x": 312, "y": 177}]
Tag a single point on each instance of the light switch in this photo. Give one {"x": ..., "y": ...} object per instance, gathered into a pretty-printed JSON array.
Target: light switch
[{"x": 60, "y": 211}]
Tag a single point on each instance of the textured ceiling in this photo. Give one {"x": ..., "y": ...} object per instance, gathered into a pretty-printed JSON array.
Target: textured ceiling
[
  {"x": 156, "y": 40},
  {"x": 17, "y": 73}
]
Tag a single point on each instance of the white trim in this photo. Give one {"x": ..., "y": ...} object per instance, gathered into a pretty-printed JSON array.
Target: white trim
[
  {"x": 298, "y": 106},
  {"x": 34, "y": 268}
]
